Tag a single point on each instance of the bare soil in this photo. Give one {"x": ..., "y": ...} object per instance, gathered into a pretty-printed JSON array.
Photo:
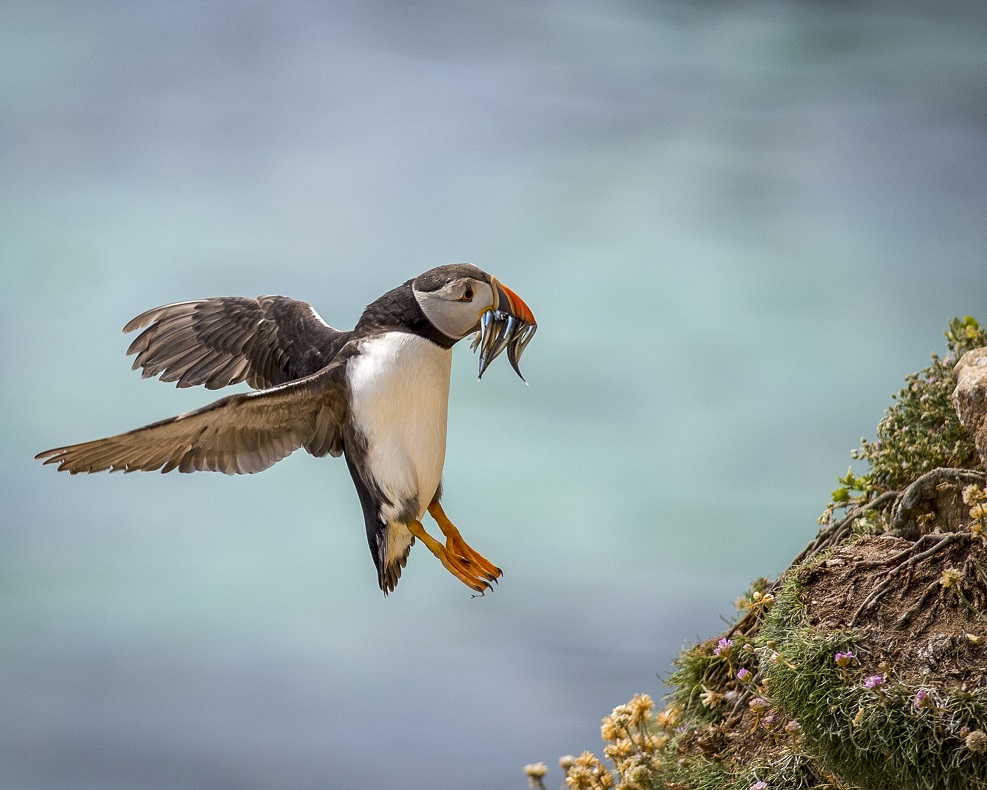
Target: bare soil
[{"x": 921, "y": 629}]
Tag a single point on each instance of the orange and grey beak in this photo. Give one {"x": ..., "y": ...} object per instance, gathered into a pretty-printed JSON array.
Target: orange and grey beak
[
  {"x": 508, "y": 323},
  {"x": 509, "y": 302}
]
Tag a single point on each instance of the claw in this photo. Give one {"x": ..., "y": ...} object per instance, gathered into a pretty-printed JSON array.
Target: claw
[{"x": 476, "y": 566}]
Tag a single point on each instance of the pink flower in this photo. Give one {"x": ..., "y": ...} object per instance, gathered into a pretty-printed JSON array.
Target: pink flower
[
  {"x": 843, "y": 660},
  {"x": 723, "y": 646},
  {"x": 874, "y": 681}
]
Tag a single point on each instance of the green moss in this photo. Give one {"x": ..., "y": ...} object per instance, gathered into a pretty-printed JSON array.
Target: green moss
[
  {"x": 694, "y": 772},
  {"x": 877, "y": 738},
  {"x": 683, "y": 768},
  {"x": 698, "y": 669}
]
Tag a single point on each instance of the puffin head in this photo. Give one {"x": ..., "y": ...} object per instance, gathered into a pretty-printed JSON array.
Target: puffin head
[{"x": 460, "y": 299}]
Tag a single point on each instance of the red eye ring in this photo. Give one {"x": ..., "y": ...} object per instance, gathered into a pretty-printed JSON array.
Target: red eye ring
[{"x": 467, "y": 294}]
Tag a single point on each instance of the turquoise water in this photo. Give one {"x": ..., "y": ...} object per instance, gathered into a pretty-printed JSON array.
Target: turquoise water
[{"x": 739, "y": 228}]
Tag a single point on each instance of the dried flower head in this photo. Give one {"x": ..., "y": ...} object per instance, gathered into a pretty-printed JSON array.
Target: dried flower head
[
  {"x": 758, "y": 705},
  {"x": 621, "y": 716},
  {"x": 976, "y": 742},
  {"x": 950, "y": 576},
  {"x": 615, "y": 725},
  {"x": 972, "y": 494},
  {"x": 636, "y": 777},
  {"x": 710, "y": 698},
  {"x": 668, "y": 717},
  {"x": 579, "y": 778},
  {"x": 587, "y": 773},
  {"x": 536, "y": 770},
  {"x": 922, "y": 699},
  {"x": 777, "y": 658},
  {"x": 535, "y": 773},
  {"x": 793, "y": 727},
  {"x": 566, "y": 762},
  {"x": 641, "y": 706},
  {"x": 609, "y": 731},
  {"x": 744, "y": 675},
  {"x": 619, "y": 751}
]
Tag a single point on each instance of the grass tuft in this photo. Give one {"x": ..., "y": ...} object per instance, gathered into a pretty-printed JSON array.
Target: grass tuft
[{"x": 892, "y": 736}]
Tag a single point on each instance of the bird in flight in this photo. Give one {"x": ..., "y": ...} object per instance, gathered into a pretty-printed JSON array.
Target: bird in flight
[{"x": 377, "y": 395}]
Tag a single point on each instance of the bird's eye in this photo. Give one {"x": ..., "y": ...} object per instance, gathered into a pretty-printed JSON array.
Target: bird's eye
[{"x": 467, "y": 294}]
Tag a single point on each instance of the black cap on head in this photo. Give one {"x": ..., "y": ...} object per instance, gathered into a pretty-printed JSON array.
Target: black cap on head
[{"x": 435, "y": 278}]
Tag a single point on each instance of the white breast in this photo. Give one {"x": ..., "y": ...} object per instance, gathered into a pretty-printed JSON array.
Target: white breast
[{"x": 399, "y": 399}]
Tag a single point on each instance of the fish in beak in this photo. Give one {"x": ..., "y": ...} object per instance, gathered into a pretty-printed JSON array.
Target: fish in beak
[{"x": 509, "y": 324}]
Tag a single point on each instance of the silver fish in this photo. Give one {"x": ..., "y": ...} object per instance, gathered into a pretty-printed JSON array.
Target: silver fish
[
  {"x": 517, "y": 344},
  {"x": 500, "y": 330}
]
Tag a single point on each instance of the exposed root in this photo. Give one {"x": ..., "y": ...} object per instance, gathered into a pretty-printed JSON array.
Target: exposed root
[
  {"x": 895, "y": 559},
  {"x": 919, "y": 605},
  {"x": 907, "y": 560},
  {"x": 903, "y": 504},
  {"x": 912, "y": 497},
  {"x": 836, "y": 533}
]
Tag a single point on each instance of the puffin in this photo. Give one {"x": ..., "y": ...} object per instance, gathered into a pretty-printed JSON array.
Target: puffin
[{"x": 377, "y": 395}]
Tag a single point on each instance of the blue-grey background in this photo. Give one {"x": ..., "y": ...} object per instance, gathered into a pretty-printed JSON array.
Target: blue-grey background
[{"x": 739, "y": 224}]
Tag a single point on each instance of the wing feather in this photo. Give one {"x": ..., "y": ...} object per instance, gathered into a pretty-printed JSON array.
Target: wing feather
[
  {"x": 239, "y": 434},
  {"x": 266, "y": 341}
]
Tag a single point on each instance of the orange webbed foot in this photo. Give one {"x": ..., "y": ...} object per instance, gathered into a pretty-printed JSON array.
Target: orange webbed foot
[
  {"x": 453, "y": 561},
  {"x": 457, "y": 545}
]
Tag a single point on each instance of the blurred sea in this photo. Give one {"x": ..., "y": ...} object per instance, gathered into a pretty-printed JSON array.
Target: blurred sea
[{"x": 739, "y": 225}]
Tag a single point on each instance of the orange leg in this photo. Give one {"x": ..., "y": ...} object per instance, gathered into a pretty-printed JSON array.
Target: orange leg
[
  {"x": 454, "y": 562},
  {"x": 456, "y": 544}
]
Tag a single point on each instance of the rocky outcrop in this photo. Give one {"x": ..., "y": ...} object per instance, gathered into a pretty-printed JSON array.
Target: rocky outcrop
[{"x": 970, "y": 397}]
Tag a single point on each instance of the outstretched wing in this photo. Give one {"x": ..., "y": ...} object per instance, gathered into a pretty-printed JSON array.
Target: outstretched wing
[
  {"x": 265, "y": 341},
  {"x": 239, "y": 434}
]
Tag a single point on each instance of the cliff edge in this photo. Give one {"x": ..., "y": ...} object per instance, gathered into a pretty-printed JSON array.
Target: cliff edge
[{"x": 864, "y": 665}]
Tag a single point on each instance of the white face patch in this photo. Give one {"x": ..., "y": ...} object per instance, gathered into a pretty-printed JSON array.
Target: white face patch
[
  {"x": 399, "y": 400},
  {"x": 455, "y": 308}
]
